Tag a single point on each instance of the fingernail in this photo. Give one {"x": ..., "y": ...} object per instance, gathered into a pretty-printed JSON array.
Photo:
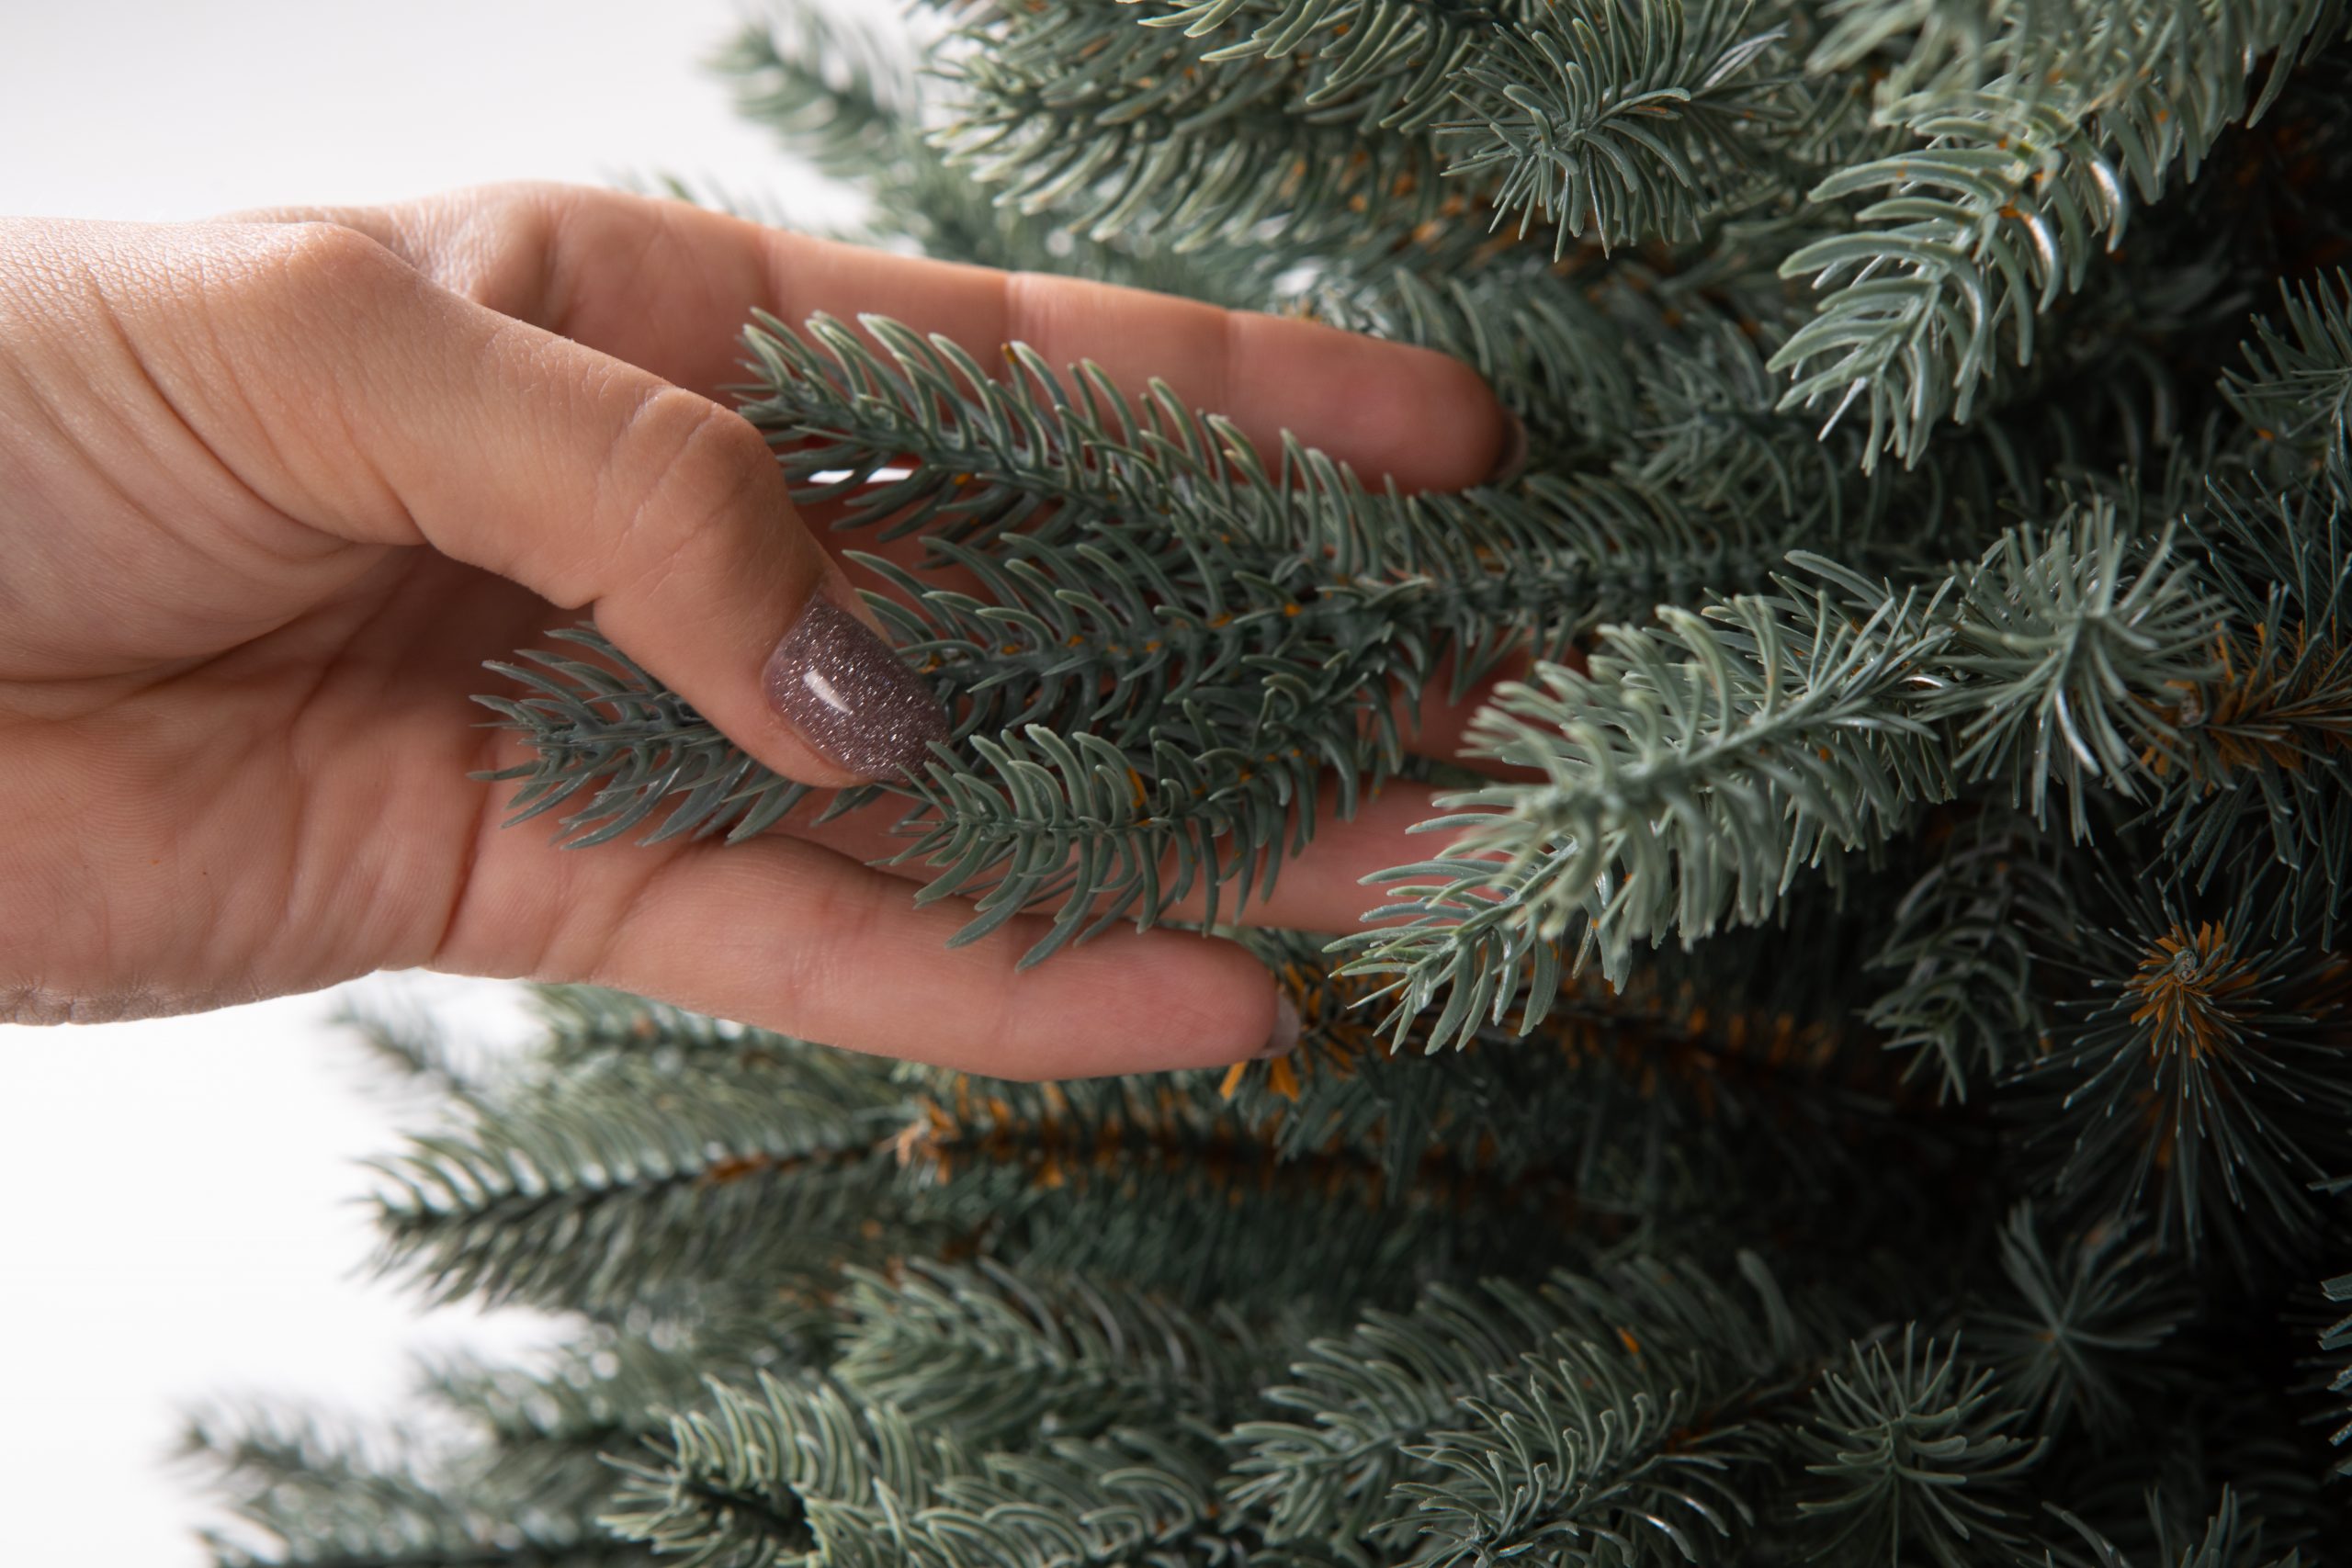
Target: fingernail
[
  {"x": 1513, "y": 461},
  {"x": 850, "y": 694},
  {"x": 1286, "y": 1036}
]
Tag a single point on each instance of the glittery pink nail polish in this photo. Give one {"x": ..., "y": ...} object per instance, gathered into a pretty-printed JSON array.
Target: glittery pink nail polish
[{"x": 850, "y": 694}]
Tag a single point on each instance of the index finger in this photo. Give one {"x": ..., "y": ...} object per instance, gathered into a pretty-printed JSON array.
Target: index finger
[{"x": 669, "y": 287}]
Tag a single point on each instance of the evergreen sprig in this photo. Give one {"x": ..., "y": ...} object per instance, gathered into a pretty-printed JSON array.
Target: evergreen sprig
[
  {"x": 2018, "y": 169},
  {"x": 1642, "y": 1101},
  {"x": 2076, "y": 1334},
  {"x": 2297, "y": 386},
  {"x": 625, "y": 1174},
  {"x": 1918, "y": 1457},
  {"x": 1514, "y": 1418},
  {"x": 2062, "y": 645},
  {"x": 1698, "y": 767},
  {"x": 762, "y": 1474},
  {"x": 1682, "y": 769},
  {"x": 838, "y": 93},
  {"x": 309, "y": 1493},
  {"x": 1591, "y": 1450},
  {"x": 1632, "y": 120},
  {"x": 548, "y": 1435},
  {"x": 1166, "y": 1186},
  {"x": 1960, "y": 944},
  {"x": 848, "y": 96},
  {"x": 1070, "y": 104},
  {"x": 789, "y": 1475},
  {"x": 2231, "y": 1538},
  {"x": 1391, "y": 62},
  {"x": 2264, "y": 748},
  {"x": 998, "y": 1361},
  {"x": 2197, "y": 1083}
]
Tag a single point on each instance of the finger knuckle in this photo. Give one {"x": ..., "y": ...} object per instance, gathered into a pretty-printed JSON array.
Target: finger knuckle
[
  {"x": 600, "y": 942},
  {"x": 525, "y": 194},
  {"x": 682, "y": 462},
  {"x": 316, "y": 254},
  {"x": 835, "y": 925},
  {"x": 282, "y": 279}
]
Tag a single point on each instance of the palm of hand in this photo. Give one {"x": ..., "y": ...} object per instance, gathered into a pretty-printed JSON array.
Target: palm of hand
[{"x": 267, "y": 813}]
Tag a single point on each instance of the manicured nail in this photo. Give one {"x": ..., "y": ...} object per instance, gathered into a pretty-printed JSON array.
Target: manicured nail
[
  {"x": 1286, "y": 1036},
  {"x": 1513, "y": 461},
  {"x": 850, "y": 694}
]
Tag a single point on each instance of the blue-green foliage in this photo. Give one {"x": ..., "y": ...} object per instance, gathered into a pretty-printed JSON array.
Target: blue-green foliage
[{"x": 1873, "y": 1088}]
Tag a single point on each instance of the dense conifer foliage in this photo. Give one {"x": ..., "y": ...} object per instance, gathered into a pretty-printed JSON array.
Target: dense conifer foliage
[{"x": 1879, "y": 1093}]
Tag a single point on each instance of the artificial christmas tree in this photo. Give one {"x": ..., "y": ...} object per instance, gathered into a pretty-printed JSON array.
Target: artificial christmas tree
[{"x": 1878, "y": 1091}]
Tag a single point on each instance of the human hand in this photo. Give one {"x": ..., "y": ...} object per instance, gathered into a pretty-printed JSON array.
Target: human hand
[{"x": 274, "y": 486}]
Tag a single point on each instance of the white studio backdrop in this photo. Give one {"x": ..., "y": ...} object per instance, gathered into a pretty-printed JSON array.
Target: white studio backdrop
[{"x": 178, "y": 1197}]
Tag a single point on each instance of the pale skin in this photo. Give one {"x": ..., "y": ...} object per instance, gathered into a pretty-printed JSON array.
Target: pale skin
[{"x": 274, "y": 486}]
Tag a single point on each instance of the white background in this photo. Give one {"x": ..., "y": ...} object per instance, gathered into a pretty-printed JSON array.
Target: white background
[{"x": 176, "y": 1212}]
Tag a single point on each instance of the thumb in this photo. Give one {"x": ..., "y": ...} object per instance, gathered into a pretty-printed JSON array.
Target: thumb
[{"x": 583, "y": 477}]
